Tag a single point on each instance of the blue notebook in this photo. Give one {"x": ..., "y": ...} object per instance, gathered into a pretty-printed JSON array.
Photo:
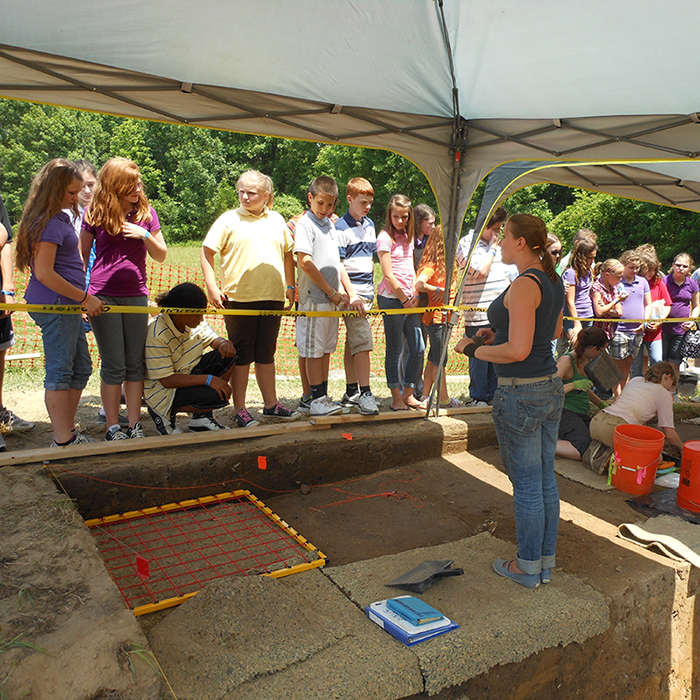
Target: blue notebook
[
  {"x": 413, "y": 609},
  {"x": 402, "y": 629}
]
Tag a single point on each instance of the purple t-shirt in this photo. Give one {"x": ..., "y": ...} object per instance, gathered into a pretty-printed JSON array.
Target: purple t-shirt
[
  {"x": 68, "y": 263},
  {"x": 120, "y": 263},
  {"x": 681, "y": 295},
  {"x": 582, "y": 297},
  {"x": 633, "y": 305}
]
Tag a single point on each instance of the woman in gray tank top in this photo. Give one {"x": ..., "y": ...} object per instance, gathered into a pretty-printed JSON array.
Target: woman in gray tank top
[{"x": 529, "y": 398}]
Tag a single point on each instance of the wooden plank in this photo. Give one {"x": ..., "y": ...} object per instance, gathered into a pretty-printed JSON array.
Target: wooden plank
[
  {"x": 340, "y": 418},
  {"x": 53, "y": 454},
  {"x": 24, "y": 356}
]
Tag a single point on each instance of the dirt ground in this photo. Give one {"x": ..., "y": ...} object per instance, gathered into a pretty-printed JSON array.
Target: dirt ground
[
  {"x": 424, "y": 504},
  {"x": 29, "y": 404}
]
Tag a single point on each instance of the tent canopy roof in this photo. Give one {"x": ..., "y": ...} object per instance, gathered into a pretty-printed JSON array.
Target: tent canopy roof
[{"x": 555, "y": 80}]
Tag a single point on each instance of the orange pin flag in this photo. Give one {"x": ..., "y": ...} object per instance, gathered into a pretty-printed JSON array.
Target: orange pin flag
[
  {"x": 262, "y": 462},
  {"x": 346, "y": 436}
]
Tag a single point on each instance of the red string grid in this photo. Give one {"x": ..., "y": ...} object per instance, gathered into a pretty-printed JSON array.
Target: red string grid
[{"x": 191, "y": 543}]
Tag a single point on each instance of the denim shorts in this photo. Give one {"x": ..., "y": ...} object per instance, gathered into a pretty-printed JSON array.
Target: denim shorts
[
  {"x": 66, "y": 354},
  {"x": 624, "y": 344}
]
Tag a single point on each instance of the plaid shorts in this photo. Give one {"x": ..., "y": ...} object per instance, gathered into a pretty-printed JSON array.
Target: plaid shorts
[{"x": 624, "y": 345}]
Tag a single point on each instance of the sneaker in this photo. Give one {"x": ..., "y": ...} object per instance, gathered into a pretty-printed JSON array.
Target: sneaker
[
  {"x": 244, "y": 419},
  {"x": 597, "y": 457},
  {"x": 136, "y": 432},
  {"x": 13, "y": 422},
  {"x": 202, "y": 422},
  {"x": 161, "y": 426},
  {"x": 78, "y": 439},
  {"x": 452, "y": 403},
  {"x": 478, "y": 404},
  {"x": 118, "y": 434},
  {"x": 586, "y": 456},
  {"x": 350, "y": 401},
  {"x": 368, "y": 405},
  {"x": 601, "y": 461},
  {"x": 123, "y": 420},
  {"x": 280, "y": 411},
  {"x": 325, "y": 407},
  {"x": 305, "y": 404}
]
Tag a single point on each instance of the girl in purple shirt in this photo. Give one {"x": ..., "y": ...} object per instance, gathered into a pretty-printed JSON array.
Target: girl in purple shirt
[
  {"x": 580, "y": 278},
  {"x": 635, "y": 301},
  {"x": 124, "y": 228},
  {"x": 47, "y": 244},
  {"x": 685, "y": 303}
]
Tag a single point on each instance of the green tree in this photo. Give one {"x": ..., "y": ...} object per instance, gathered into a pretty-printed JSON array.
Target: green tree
[
  {"x": 33, "y": 134},
  {"x": 131, "y": 139}
]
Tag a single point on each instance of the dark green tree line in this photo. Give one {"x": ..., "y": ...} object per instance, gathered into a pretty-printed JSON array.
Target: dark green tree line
[{"x": 190, "y": 176}]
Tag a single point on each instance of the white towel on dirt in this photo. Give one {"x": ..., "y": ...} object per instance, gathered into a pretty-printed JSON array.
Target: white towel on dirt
[{"x": 671, "y": 536}]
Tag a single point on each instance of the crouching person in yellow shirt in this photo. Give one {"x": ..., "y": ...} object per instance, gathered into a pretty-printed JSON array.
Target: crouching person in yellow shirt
[{"x": 180, "y": 377}]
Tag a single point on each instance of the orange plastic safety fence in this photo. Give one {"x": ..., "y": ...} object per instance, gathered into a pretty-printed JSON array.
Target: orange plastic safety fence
[{"x": 161, "y": 278}]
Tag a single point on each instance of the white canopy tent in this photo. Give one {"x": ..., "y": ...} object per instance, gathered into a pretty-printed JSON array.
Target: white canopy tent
[
  {"x": 598, "y": 95},
  {"x": 457, "y": 86}
]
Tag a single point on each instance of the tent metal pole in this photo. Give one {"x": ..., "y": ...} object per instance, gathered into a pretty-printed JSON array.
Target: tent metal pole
[
  {"x": 451, "y": 231},
  {"x": 451, "y": 236}
]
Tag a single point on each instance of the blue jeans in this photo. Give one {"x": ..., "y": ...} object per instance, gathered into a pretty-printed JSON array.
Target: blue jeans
[
  {"x": 655, "y": 352},
  {"x": 672, "y": 344},
  {"x": 395, "y": 329},
  {"x": 482, "y": 375},
  {"x": 66, "y": 354},
  {"x": 436, "y": 333},
  {"x": 526, "y": 418}
]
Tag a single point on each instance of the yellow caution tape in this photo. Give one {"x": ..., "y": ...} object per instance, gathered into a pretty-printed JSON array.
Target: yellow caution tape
[{"x": 154, "y": 310}]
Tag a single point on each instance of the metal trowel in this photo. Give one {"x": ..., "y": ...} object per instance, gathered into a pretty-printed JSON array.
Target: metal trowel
[{"x": 425, "y": 575}]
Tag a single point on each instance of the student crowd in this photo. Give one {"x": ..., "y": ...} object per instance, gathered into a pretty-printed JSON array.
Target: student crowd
[{"x": 85, "y": 236}]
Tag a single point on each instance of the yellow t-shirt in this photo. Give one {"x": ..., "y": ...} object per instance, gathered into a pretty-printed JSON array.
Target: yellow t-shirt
[
  {"x": 252, "y": 250},
  {"x": 169, "y": 351}
]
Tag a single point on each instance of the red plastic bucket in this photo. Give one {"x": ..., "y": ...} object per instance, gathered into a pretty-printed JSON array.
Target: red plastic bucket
[
  {"x": 636, "y": 452},
  {"x": 688, "y": 494}
]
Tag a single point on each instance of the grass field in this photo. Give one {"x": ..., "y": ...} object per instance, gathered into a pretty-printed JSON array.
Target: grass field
[
  {"x": 184, "y": 254},
  {"x": 187, "y": 255}
]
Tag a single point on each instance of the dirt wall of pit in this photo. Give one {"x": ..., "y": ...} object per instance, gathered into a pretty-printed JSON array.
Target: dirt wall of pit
[{"x": 117, "y": 483}]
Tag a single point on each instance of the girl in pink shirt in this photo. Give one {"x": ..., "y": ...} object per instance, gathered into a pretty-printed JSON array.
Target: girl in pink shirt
[{"x": 396, "y": 291}]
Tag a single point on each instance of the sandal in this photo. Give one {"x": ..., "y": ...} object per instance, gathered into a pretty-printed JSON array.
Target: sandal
[{"x": 501, "y": 567}]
